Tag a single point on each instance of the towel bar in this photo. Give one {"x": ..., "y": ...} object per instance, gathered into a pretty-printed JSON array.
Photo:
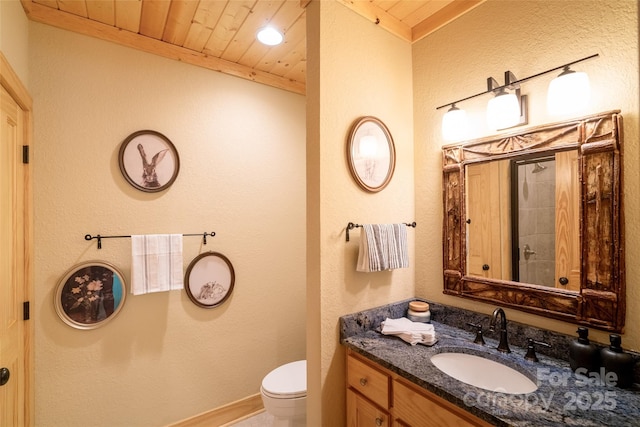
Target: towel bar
[
  {"x": 99, "y": 237},
  {"x": 351, "y": 226}
]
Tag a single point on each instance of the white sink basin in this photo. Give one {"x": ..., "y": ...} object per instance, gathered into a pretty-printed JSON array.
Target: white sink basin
[{"x": 483, "y": 373}]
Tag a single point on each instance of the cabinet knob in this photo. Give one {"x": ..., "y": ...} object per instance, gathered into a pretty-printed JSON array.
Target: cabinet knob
[
  {"x": 4, "y": 376},
  {"x": 563, "y": 281},
  {"x": 379, "y": 421},
  {"x": 485, "y": 267},
  {"x": 363, "y": 382}
]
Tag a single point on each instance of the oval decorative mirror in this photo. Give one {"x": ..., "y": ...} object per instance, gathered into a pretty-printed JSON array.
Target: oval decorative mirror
[
  {"x": 534, "y": 221},
  {"x": 371, "y": 154}
]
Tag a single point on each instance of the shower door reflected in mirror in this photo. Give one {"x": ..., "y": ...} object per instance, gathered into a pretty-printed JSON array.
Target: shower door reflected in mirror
[
  {"x": 546, "y": 219},
  {"x": 534, "y": 183}
]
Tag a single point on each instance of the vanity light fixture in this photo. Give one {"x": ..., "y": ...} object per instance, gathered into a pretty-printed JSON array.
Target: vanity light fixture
[
  {"x": 503, "y": 111},
  {"x": 569, "y": 92},
  {"x": 506, "y": 110},
  {"x": 454, "y": 124},
  {"x": 270, "y": 36},
  {"x": 568, "y": 100}
]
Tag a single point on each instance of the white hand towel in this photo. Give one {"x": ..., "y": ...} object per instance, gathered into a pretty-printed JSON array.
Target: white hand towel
[
  {"x": 417, "y": 338},
  {"x": 405, "y": 325},
  {"x": 156, "y": 263},
  {"x": 411, "y": 332},
  {"x": 383, "y": 247}
]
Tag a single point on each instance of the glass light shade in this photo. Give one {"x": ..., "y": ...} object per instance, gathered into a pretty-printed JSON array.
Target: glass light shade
[
  {"x": 568, "y": 93},
  {"x": 454, "y": 124},
  {"x": 269, "y": 36},
  {"x": 368, "y": 146},
  {"x": 503, "y": 111}
]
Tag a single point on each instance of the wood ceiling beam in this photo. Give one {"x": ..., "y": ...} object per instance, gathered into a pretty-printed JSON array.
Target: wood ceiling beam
[
  {"x": 70, "y": 22},
  {"x": 439, "y": 19},
  {"x": 453, "y": 10},
  {"x": 379, "y": 17}
]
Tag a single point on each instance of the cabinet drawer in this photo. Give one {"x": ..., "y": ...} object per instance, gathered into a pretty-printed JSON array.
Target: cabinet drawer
[
  {"x": 369, "y": 381},
  {"x": 413, "y": 407}
]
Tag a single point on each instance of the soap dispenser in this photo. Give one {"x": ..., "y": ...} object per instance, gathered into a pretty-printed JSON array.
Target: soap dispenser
[
  {"x": 584, "y": 354},
  {"x": 615, "y": 360}
]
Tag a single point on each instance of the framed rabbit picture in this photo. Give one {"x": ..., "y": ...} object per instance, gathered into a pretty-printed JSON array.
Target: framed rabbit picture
[{"x": 149, "y": 161}]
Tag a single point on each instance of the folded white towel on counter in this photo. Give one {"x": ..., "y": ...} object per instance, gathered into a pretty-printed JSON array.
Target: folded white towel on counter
[
  {"x": 156, "y": 263},
  {"x": 411, "y": 332},
  {"x": 383, "y": 247}
]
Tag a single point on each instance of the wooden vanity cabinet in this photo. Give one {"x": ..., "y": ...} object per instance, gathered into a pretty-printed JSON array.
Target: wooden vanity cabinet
[
  {"x": 362, "y": 413},
  {"x": 413, "y": 406},
  {"x": 368, "y": 393},
  {"x": 377, "y": 397}
]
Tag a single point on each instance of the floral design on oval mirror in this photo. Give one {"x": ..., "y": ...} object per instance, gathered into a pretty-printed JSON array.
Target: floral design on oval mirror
[{"x": 90, "y": 294}]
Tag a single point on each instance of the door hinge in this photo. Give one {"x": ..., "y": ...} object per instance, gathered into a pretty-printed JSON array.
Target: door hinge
[
  {"x": 25, "y": 310},
  {"x": 25, "y": 154}
]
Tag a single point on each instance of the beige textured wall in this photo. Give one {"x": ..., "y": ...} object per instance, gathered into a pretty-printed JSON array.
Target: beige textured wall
[
  {"x": 164, "y": 359},
  {"x": 525, "y": 38},
  {"x": 14, "y": 37},
  {"x": 355, "y": 69},
  {"x": 242, "y": 174}
]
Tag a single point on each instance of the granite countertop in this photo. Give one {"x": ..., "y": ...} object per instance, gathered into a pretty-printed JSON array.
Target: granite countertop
[{"x": 562, "y": 398}]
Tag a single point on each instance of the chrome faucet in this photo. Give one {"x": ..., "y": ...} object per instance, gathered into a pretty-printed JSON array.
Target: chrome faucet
[{"x": 503, "y": 346}]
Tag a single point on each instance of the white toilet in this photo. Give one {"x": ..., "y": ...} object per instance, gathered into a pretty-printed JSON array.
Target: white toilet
[{"x": 284, "y": 394}]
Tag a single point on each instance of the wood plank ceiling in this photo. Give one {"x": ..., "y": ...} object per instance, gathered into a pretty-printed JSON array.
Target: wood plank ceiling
[{"x": 220, "y": 34}]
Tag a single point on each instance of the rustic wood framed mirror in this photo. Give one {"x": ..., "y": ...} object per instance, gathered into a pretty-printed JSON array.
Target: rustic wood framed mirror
[{"x": 575, "y": 239}]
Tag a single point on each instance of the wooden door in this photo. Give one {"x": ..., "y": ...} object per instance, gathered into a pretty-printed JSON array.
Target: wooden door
[
  {"x": 15, "y": 333},
  {"x": 488, "y": 211},
  {"x": 567, "y": 221}
]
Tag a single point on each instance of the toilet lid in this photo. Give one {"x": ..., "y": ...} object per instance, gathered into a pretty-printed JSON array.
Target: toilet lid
[{"x": 287, "y": 381}]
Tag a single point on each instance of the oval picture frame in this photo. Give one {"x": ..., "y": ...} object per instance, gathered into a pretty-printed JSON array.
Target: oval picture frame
[
  {"x": 209, "y": 279},
  {"x": 149, "y": 161},
  {"x": 90, "y": 294},
  {"x": 371, "y": 154}
]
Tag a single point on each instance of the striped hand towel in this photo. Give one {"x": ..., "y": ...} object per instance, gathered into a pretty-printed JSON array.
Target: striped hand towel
[
  {"x": 383, "y": 247},
  {"x": 156, "y": 263},
  {"x": 397, "y": 246}
]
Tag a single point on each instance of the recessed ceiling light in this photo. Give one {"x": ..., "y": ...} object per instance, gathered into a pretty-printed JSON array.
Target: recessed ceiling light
[{"x": 270, "y": 36}]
